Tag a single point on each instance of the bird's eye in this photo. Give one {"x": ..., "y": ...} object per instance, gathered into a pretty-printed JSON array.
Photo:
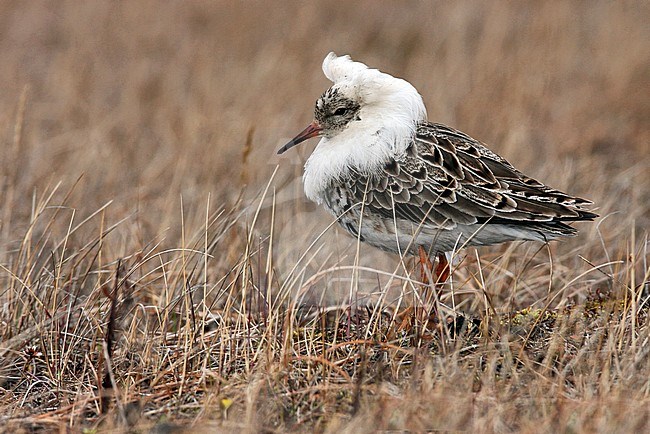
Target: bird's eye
[{"x": 340, "y": 111}]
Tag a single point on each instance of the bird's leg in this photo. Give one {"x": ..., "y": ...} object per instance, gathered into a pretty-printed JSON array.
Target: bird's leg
[
  {"x": 443, "y": 270},
  {"x": 440, "y": 273},
  {"x": 426, "y": 271},
  {"x": 437, "y": 275},
  {"x": 425, "y": 264}
]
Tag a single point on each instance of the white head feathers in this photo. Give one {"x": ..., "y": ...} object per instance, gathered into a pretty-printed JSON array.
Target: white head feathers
[
  {"x": 342, "y": 68},
  {"x": 390, "y": 109},
  {"x": 373, "y": 86}
]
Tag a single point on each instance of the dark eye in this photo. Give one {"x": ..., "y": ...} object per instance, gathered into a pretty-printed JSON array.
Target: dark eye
[{"x": 340, "y": 111}]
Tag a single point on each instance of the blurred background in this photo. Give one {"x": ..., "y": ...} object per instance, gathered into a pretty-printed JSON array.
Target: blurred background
[{"x": 157, "y": 103}]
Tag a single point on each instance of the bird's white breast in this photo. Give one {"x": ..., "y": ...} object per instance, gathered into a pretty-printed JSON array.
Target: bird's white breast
[{"x": 364, "y": 147}]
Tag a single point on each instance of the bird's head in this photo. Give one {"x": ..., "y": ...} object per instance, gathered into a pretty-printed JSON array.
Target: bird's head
[{"x": 362, "y": 102}]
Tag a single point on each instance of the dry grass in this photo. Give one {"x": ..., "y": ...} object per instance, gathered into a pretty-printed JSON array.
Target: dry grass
[{"x": 158, "y": 270}]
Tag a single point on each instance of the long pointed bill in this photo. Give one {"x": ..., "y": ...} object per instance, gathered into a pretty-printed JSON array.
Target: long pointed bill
[{"x": 312, "y": 130}]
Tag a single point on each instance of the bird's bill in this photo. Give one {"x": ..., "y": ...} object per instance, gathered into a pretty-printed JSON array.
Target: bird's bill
[{"x": 312, "y": 130}]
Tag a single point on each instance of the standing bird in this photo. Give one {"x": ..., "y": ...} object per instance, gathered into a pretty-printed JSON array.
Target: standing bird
[{"x": 403, "y": 184}]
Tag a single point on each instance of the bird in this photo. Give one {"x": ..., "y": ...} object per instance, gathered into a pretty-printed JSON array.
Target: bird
[{"x": 403, "y": 184}]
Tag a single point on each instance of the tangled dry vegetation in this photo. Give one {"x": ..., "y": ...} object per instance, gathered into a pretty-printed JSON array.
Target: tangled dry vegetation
[{"x": 160, "y": 271}]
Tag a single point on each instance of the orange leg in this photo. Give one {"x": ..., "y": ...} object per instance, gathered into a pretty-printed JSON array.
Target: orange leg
[
  {"x": 443, "y": 270},
  {"x": 426, "y": 264},
  {"x": 436, "y": 275}
]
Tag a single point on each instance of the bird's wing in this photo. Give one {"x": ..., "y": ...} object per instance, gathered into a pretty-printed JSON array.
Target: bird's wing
[{"x": 447, "y": 178}]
